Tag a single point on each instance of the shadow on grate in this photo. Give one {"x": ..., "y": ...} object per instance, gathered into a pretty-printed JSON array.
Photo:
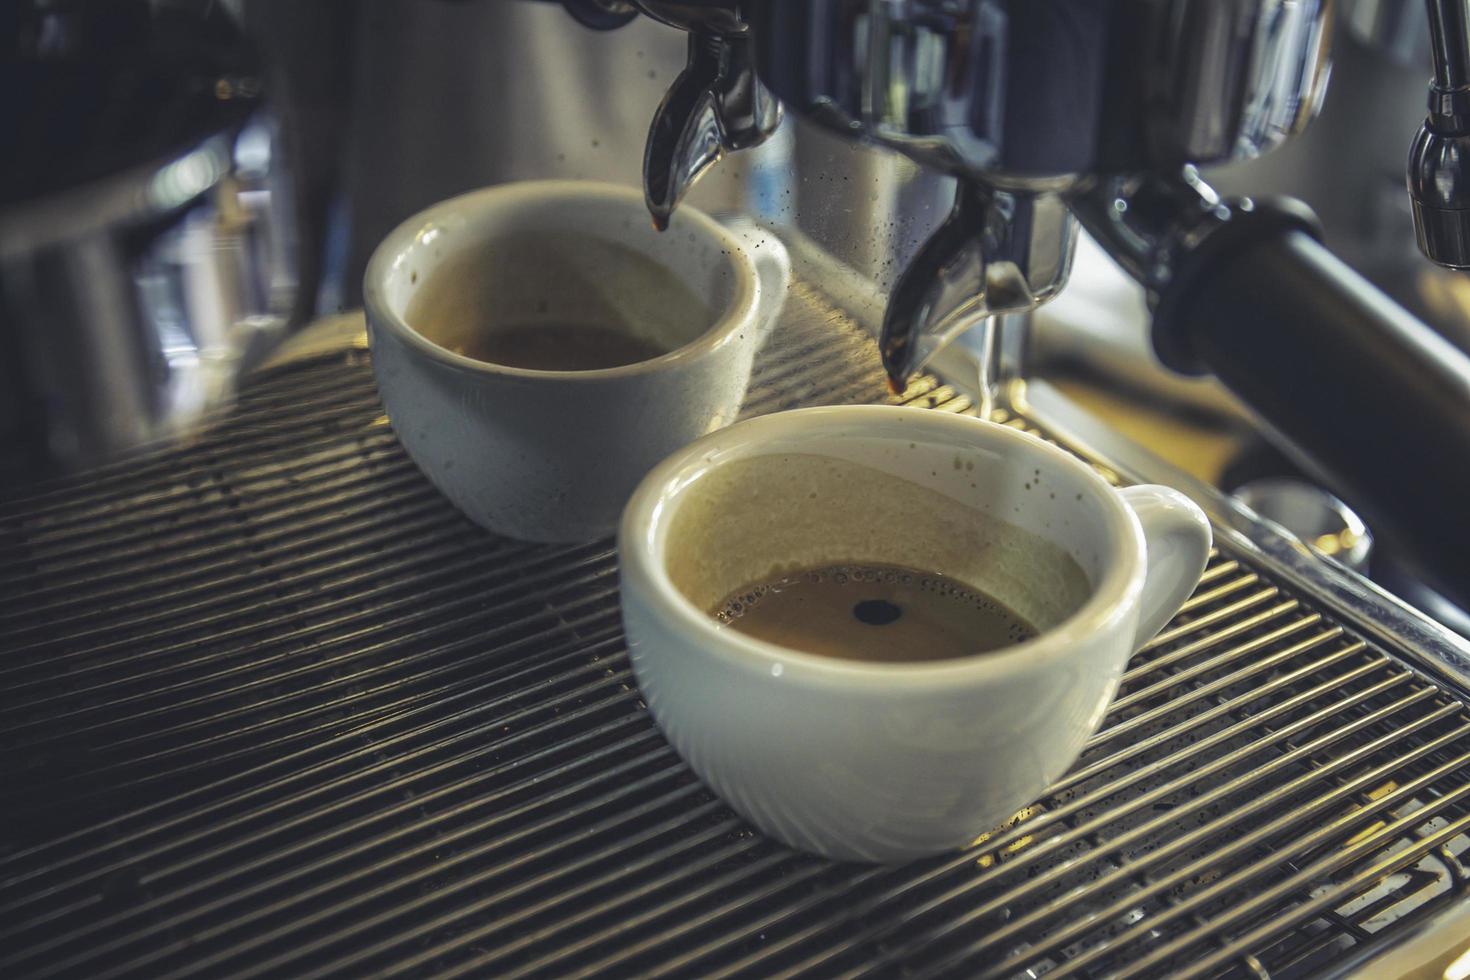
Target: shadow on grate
[{"x": 272, "y": 707}]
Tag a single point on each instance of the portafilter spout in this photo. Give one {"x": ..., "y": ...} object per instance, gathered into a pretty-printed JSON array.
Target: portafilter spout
[
  {"x": 997, "y": 252},
  {"x": 1025, "y": 104},
  {"x": 717, "y": 104}
]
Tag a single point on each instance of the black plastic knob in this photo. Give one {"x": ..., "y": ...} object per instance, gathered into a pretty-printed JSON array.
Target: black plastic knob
[{"x": 1439, "y": 186}]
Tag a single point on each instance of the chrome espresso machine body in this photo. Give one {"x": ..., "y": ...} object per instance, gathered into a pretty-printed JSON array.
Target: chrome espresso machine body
[
  {"x": 147, "y": 243},
  {"x": 1102, "y": 113}
]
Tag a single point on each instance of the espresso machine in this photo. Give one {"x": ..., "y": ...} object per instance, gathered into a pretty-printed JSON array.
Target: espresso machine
[
  {"x": 1101, "y": 114},
  {"x": 271, "y": 707}
]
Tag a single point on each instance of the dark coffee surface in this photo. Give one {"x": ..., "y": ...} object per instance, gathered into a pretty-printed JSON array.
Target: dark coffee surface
[
  {"x": 555, "y": 301},
  {"x": 873, "y": 612}
]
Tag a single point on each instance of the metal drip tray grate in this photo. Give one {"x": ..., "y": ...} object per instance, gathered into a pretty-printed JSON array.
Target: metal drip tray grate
[{"x": 271, "y": 707}]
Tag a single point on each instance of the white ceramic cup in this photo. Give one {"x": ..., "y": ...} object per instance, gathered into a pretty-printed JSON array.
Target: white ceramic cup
[
  {"x": 552, "y": 455},
  {"x": 889, "y": 761}
]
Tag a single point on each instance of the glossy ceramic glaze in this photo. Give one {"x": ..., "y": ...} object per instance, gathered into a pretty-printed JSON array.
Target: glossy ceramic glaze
[
  {"x": 890, "y": 761},
  {"x": 553, "y": 455}
]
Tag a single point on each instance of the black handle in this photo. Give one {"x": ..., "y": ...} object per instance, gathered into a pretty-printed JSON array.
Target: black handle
[{"x": 1374, "y": 399}]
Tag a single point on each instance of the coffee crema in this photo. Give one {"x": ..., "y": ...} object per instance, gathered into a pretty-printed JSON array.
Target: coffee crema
[
  {"x": 874, "y": 613},
  {"x": 558, "y": 347},
  {"x": 558, "y": 301}
]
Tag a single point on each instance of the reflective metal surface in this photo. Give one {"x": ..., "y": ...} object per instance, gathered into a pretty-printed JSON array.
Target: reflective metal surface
[
  {"x": 1439, "y": 160},
  {"x": 1148, "y": 222},
  {"x": 1033, "y": 95},
  {"x": 723, "y": 18},
  {"x": 146, "y": 240},
  {"x": 1155, "y": 224},
  {"x": 1025, "y": 99},
  {"x": 1313, "y": 515},
  {"x": 716, "y": 104},
  {"x": 1439, "y": 171},
  {"x": 1449, "y": 42},
  {"x": 998, "y": 252},
  {"x": 129, "y": 307}
]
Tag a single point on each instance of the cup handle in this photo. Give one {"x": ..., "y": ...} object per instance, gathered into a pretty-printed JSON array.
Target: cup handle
[
  {"x": 1177, "y": 539},
  {"x": 772, "y": 269}
]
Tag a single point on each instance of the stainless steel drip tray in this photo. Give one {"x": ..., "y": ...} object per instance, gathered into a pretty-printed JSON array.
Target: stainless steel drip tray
[{"x": 272, "y": 707}]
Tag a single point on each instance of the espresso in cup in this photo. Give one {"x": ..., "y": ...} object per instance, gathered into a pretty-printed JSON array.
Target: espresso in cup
[
  {"x": 538, "y": 347},
  {"x": 559, "y": 347},
  {"x": 864, "y": 565},
  {"x": 873, "y": 611},
  {"x": 1030, "y": 582},
  {"x": 499, "y": 306}
]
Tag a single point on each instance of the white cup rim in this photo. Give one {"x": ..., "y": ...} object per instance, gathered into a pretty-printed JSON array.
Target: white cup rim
[
  {"x": 395, "y": 248},
  {"x": 643, "y": 532}
]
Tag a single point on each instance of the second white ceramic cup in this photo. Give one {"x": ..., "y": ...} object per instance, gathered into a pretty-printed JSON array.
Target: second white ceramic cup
[
  {"x": 553, "y": 455},
  {"x": 892, "y": 760}
]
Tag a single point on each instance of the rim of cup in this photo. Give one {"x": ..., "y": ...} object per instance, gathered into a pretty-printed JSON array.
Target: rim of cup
[
  {"x": 643, "y": 532},
  {"x": 418, "y": 231}
]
